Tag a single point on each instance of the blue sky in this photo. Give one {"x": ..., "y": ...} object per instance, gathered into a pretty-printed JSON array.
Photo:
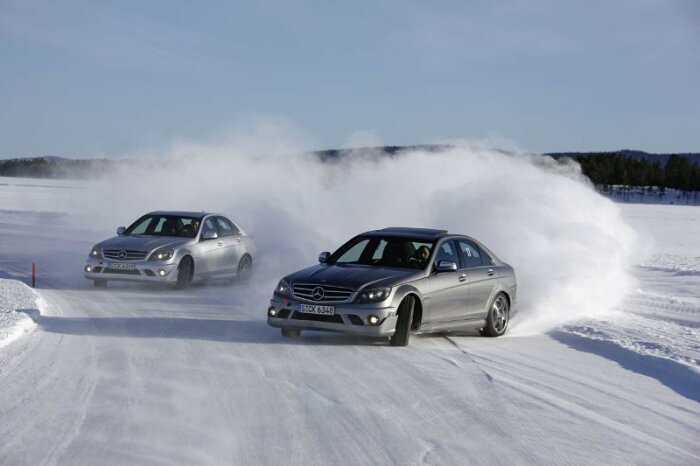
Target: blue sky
[{"x": 85, "y": 78}]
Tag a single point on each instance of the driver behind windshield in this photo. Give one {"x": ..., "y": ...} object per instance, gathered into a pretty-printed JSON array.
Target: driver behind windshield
[{"x": 420, "y": 258}]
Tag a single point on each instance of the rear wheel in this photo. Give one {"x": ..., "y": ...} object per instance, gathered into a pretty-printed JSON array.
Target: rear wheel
[
  {"x": 184, "y": 273},
  {"x": 99, "y": 283},
  {"x": 245, "y": 269},
  {"x": 499, "y": 315},
  {"x": 291, "y": 332},
  {"x": 403, "y": 324}
]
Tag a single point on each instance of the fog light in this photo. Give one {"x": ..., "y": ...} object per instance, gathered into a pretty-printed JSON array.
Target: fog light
[
  {"x": 373, "y": 320},
  {"x": 272, "y": 312},
  {"x": 88, "y": 268},
  {"x": 162, "y": 273}
]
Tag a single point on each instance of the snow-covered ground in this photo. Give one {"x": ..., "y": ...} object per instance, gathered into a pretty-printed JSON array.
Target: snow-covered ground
[
  {"x": 650, "y": 195},
  {"x": 141, "y": 375},
  {"x": 660, "y": 319}
]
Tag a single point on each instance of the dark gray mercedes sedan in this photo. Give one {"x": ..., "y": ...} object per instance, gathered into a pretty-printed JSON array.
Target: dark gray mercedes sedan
[
  {"x": 390, "y": 282},
  {"x": 173, "y": 248}
]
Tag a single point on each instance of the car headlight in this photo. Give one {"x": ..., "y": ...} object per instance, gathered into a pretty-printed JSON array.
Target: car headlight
[
  {"x": 373, "y": 296},
  {"x": 95, "y": 253},
  {"x": 283, "y": 288},
  {"x": 162, "y": 255}
]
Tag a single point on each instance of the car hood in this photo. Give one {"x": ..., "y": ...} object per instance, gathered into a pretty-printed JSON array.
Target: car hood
[
  {"x": 143, "y": 242},
  {"x": 353, "y": 276}
]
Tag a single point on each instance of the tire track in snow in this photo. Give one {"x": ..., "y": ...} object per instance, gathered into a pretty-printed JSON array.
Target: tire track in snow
[{"x": 563, "y": 388}]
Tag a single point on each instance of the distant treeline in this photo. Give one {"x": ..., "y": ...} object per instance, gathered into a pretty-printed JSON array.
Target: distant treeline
[
  {"x": 603, "y": 168},
  {"x": 56, "y": 167},
  {"x": 629, "y": 168}
]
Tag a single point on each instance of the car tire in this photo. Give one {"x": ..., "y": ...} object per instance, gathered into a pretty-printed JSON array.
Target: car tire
[
  {"x": 291, "y": 332},
  {"x": 245, "y": 269},
  {"x": 184, "y": 273},
  {"x": 99, "y": 283},
  {"x": 498, "y": 318},
  {"x": 403, "y": 324}
]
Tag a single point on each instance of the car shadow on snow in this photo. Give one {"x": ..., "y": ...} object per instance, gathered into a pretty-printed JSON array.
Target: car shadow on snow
[
  {"x": 679, "y": 378},
  {"x": 217, "y": 330}
]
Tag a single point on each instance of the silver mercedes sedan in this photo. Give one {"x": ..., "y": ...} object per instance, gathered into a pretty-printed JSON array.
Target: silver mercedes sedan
[
  {"x": 173, "y": 248},
  {"x": 390, "y": 282}
]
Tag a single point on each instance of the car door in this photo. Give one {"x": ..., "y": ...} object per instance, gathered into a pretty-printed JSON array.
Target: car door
[
  {"x": 482, "y": 278},
  {"x": 230, "y": 235},
  {"x": 448, "y": 293},
  {"x": 211, "y": 250}
]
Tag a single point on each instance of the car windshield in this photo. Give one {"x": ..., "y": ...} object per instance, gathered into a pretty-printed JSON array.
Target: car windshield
[
  {"x": 384, "y": 251},
  {"x": 165, "y": 225}
]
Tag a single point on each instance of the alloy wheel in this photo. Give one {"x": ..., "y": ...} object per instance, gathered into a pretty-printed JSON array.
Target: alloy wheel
[{"x": 500, "y": 314}]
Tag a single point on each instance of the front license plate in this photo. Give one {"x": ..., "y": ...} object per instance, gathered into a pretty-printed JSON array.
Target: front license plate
[
  {"x": 316, "y": 309},
  {"x": 121, "y": 266}
]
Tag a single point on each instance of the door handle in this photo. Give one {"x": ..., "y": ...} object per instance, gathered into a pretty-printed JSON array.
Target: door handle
[
  {"x": 490, "y": 272},
  {"x": 221, "y": 243},
  {"x": 463, "y": 277}
]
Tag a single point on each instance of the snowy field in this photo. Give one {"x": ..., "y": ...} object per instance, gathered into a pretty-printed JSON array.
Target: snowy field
[{"x": 142, "y": 375}]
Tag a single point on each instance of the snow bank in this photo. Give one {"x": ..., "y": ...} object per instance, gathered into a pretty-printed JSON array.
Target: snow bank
[{"x": 17, "y": 303}]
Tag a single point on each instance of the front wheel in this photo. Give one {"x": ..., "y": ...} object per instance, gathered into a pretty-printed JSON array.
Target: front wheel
[
  {"x": 403, "y": 324},
  {"x": 184, "y": 273},
  {"x": 499, "y": 315},
  {"x": 99, "y": 283}
]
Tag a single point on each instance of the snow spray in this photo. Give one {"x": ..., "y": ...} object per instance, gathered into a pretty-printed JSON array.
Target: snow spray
[{"x": 569, "y": 245}]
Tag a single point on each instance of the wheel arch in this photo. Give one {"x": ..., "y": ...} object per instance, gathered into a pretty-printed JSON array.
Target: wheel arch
[
  {"x": 187, "y": 254},
  {"x": 405, "y": 291},
  {"x": 506, "y": 294}
]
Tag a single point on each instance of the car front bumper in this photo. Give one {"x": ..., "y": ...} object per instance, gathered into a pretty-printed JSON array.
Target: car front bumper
[
  {"x": 348, "y": 318},
  {"x": 142, "y": 271}
]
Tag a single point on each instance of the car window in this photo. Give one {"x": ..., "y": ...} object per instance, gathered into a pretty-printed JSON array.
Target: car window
[
  {"x": 379, "y": 252},
  {"x": 187, "y": 227},
  {"x": 386, "y": 251},
  {"x": 164, "y": 225},
  {"x": 226, "y": 228},
  {"x": 485, "y": 258},
  {"x": 352, "y": 255},
  {"x": 141, "y": 226},
  {"x": 471, "y": 254},
  {"x": 446, "y": 252},
  {"x": 208, "y": 226}
]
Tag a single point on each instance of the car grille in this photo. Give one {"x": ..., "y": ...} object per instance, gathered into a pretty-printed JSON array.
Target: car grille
[
  {"x": 122, "y": 271},
  {"x": 127, "y": 255},
  {"x": 331, "y": 294},
  {"x": 334, "y": 319}
]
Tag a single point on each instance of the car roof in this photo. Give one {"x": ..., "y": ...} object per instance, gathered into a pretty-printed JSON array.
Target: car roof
[
  {"x": 179, "y": 213},
  {"x": 418, "y": 233}
]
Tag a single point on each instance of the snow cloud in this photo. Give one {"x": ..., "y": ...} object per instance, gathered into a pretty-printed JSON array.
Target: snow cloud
[{"x": 569, "y": 246}]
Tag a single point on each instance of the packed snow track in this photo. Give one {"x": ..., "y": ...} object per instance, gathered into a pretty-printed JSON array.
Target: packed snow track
[{"x": 141, "y": 375}]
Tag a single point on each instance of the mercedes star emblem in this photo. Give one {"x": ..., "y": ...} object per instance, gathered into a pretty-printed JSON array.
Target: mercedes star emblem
[{"x": 318, "y": 293}]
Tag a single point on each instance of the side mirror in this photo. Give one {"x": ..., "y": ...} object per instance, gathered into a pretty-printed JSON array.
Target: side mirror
[
  {"x": 323, "y": 257},
  {"x": 446, "y": 266},
  {"x": 121, "y": 230},
  {"x": 209, "y": 234}
]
